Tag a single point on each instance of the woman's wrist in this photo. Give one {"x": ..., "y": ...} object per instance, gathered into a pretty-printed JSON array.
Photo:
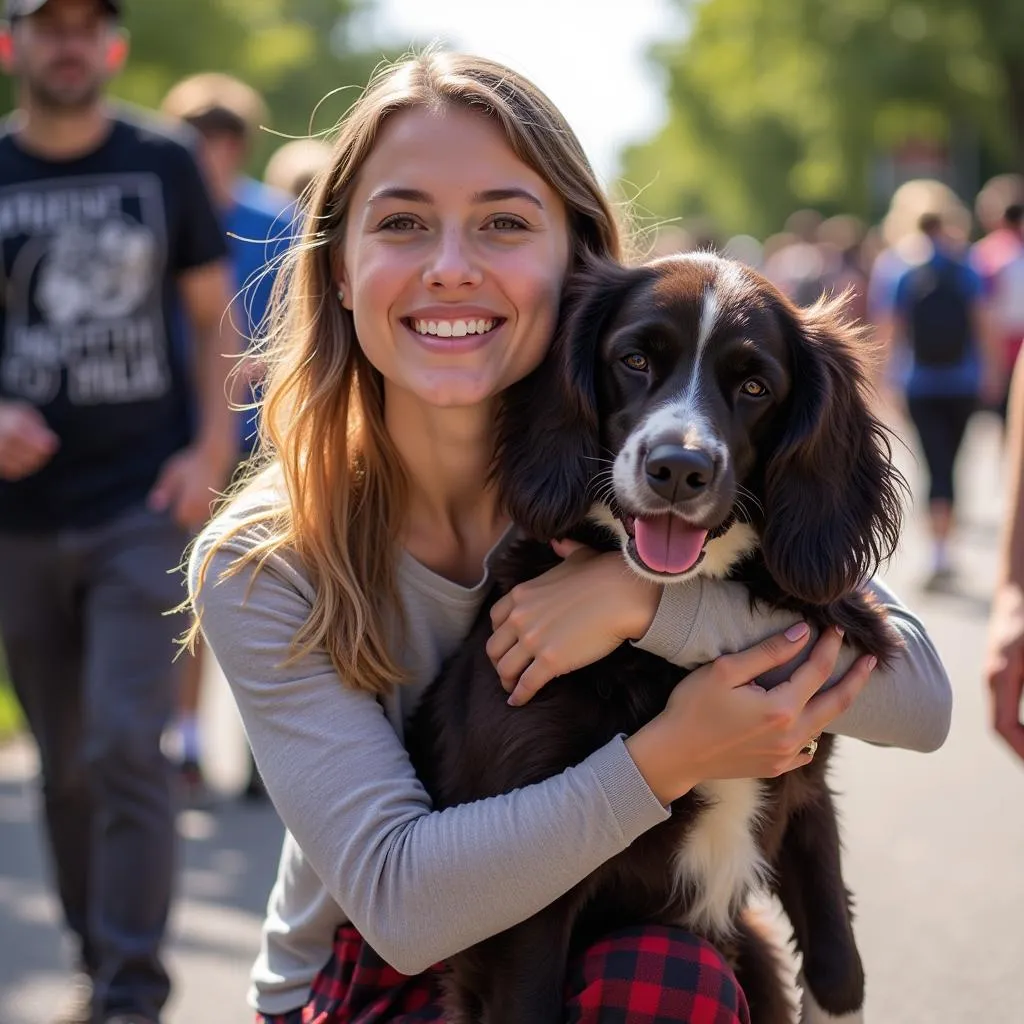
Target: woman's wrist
[
  {"x": 652, "y": 748},
  {"x": 642, "y": 608}
]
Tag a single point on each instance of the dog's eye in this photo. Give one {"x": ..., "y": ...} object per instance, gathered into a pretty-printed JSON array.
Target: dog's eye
[
  {"x": 754, "y": 388},
  {"x": 637, "y": 361}
]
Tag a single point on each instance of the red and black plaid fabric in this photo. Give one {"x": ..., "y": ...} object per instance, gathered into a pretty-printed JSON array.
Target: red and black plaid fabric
[{"x": 643, "y": 975}]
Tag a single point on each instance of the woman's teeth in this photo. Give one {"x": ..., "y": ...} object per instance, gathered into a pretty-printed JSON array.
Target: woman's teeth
[{"x": 453, "y": 328}]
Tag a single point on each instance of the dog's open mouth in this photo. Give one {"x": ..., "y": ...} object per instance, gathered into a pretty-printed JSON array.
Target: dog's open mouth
[{"x": 664, "y": 544}]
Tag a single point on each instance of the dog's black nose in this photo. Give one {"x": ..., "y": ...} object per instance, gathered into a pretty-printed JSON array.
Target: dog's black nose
[{"x": 677, "y": 473}]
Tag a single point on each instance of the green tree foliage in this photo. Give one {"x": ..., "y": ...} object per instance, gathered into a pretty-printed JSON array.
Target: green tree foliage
[
  {"x": 775, "y": 106},
  {"x": 294, "y": 52}
]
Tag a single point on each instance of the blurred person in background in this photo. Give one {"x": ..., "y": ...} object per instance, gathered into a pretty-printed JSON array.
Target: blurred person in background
[
  {"x": 796, "y": 264},
  {"x": 998, "y": 193},
  {"x": 999, "y": 259},
  {"x": 106, "y": 222},
  {"x": 227, "y": 113},
  {"x": 294, "y": 165},
  {"x": 840, "y": 241},
  {"x": 938, "y": 313},
  {"x": 909, "y": 202},
  {"x": 1004, "y": 663}
]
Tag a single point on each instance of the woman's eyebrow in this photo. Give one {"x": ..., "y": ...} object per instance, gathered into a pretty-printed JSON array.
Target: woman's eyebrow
[
  {"x": 493, "y": 195},
  {"x": 409, "y": 195},
  {"x": 498, "y": 195}
]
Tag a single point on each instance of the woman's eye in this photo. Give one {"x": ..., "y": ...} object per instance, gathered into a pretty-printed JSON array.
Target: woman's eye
[
  {"x": 754, "y": 388},
  {"x": 399, "y": 222},
  {"x": 506, "y": 223},
  {"x": 637, "y": 361}
]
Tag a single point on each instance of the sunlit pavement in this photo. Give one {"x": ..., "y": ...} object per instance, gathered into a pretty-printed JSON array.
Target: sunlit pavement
[{"x": 934, "y": 843}]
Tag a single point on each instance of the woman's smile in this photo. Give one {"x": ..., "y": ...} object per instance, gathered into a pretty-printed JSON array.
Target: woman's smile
[{"x": 456, "y": 336}]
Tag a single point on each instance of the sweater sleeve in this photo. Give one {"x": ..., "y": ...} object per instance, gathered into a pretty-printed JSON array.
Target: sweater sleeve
[
  {"x": 907, "y": 704},
  {"x": 418, "y": 884}
]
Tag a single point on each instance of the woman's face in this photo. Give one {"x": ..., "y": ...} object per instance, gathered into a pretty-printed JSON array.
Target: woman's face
[{"x": 454, "y": 256}]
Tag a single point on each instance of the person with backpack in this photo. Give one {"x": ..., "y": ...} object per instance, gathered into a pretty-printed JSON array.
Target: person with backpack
[{"x": 952, "y": 363}]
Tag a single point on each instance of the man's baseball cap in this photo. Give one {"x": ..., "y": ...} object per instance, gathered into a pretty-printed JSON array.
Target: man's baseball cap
[{"x": 23, "y": 8}]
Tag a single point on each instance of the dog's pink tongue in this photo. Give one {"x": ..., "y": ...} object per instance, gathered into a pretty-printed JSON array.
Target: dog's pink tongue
[{"x": 666, "y": 544}]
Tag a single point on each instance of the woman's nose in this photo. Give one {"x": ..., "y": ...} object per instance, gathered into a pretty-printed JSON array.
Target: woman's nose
[{"x": 452, "y": 264}]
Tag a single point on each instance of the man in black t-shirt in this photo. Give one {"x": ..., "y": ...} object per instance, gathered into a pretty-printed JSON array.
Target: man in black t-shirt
[{"x": 109, "y": 454}]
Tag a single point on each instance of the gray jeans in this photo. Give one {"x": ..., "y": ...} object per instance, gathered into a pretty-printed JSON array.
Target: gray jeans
[{"x": 89, "y": 648}]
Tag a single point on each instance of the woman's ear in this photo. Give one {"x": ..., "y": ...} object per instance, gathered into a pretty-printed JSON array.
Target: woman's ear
[
  {"x": 833, "y": 499},
  {"x": 549, "y": 436},
  {"x": 340, "y": 277}
]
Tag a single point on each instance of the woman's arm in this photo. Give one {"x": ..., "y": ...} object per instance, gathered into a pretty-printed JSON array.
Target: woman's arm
[
  {"x": 908, "y": 704},
  {"x": 1004, "y": 663},
  {"x": 419, "y": 885}
]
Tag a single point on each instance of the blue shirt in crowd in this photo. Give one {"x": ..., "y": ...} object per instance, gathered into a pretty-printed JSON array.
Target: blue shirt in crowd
[
  {"x": 963, "y": 378},
  {"x": 258, "y": 227}
]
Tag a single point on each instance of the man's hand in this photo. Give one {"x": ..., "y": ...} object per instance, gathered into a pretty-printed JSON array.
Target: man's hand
[
  {"x": 1004, "y": 664},
  {"x": 189, "y": 481},
  {"x": 26, "y": 442}
]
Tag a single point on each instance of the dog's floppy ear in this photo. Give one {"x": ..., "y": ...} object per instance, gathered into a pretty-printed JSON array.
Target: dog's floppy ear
[
  {"x": 548, "y": 433},
  {"x": 833, "y": 499}
]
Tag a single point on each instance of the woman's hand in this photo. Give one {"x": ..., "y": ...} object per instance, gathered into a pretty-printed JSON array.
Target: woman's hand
[
  {"x": 1004, "y": 664},
  {"x": 571, "y": 616},
  {"x": 720, "y": 725}
]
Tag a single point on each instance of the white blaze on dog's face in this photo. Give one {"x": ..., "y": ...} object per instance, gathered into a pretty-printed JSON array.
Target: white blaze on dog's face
[{"x": 695, "y": 372}]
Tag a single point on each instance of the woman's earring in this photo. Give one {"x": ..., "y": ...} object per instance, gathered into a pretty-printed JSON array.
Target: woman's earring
[{"x": 341, "y": 294}]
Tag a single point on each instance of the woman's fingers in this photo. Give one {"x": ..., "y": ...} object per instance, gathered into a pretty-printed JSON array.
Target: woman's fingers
[
  {"x": 741, "y": 668},
  {"x": 511, "y": 667},
  {"x": 824, "y": 707},
  {"x": 500, "y": 642},
  {"x": 501, "y": 609},
  {"x": 807, "y": 679}
]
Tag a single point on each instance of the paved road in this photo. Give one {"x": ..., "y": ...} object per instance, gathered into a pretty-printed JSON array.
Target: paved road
[{"x": 935, "y": 844}]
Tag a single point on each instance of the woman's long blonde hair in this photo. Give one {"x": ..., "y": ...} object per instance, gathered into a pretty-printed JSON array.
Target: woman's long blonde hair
[{"x": 339, "y": 492}]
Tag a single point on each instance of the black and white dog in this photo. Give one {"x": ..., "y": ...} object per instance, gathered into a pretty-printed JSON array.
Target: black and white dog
[{"x": 690, "y": 414}]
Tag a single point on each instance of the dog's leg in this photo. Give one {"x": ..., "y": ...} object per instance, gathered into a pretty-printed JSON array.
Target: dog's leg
[
  {"x": 812, "y": 1013},
  {"x": 760, "y": 967},
  {"x": 810, "y": 886}
]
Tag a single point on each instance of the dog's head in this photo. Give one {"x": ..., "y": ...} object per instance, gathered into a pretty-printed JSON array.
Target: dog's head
[{"x": 695, "y": 411}]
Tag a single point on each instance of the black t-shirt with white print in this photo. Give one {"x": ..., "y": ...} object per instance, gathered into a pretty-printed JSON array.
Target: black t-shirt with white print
[{"x": 91, "y": 250}]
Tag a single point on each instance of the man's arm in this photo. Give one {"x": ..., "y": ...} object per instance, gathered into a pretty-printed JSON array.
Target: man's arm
[
  {"x": 191, "y": 480},
  {"x": 1004, "y": 668}
]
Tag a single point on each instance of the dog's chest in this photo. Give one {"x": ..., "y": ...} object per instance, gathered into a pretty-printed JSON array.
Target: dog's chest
[{"x": 719, "y": 860}]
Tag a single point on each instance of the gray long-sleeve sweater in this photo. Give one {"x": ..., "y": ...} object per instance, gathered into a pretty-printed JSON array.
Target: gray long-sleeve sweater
[{"x": 363, "y": 843}]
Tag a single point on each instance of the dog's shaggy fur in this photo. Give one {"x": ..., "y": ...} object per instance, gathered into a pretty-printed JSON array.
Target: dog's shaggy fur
[{"x": 691, "y": 415}]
